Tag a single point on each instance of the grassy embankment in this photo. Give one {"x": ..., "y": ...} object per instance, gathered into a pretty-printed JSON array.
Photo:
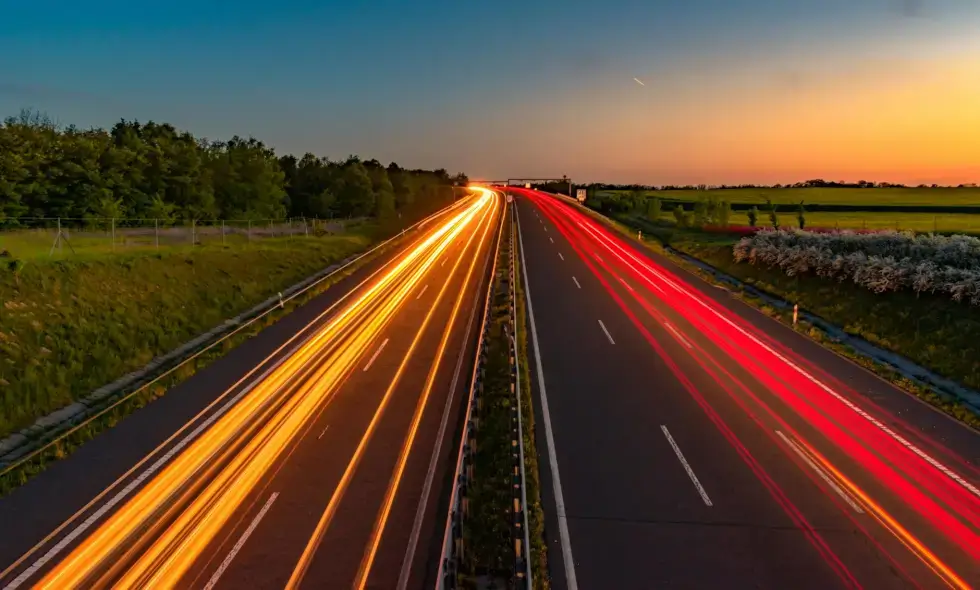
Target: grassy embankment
[
  {"x": 70, "y": 327},
  {"x": 932, "y": 331},
  {"x": 487, "y": 530}
]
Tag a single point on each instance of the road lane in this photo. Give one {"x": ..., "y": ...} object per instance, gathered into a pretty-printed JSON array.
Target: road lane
[
  {"x": 295, "y": 425},
  {"x": 714, "y": 372}
]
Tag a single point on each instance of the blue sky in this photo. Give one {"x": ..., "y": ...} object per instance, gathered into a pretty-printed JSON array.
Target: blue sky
[{"x": 490, "y": 88}]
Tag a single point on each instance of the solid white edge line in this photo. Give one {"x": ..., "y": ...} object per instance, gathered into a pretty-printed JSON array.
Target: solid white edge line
[
  {"x": 576, "y": 283},
  {"x": 560, "y": 256},
  {"x": 687, "y": 466},
  {"x": 847, "y": 498},
  {"x": 677, "y": 334},
  {"x": 241, "y": 542},
  {"x": 608, "y": 335},
  {"x": 424, "y": 287},
  {"x": 571, "y": 581},
  {"x": 375, "y": 355}
]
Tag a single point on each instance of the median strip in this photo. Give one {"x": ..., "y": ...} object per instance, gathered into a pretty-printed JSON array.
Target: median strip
[{"x": 494, "y": 529}]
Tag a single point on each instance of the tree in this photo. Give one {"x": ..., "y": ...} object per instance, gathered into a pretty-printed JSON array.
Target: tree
[
  {"x": 161, "y": 210},
  {"x": 680, "y": 216},
  {"x": 155, "y": 171},
  {"x": 355, "y": 197},
  {"x": 654, "y": 207},
  {"x": 801, "y": 215},
  {"x": 724, "y": 214},
  {"x": 773, "y": 217},
  {"x": 753, "y": 216},
  {"x": 700, "y": 213}
]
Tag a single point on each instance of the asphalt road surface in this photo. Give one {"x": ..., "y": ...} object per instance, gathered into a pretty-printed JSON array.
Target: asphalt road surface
[
  {"x": 689, "y": 441},
  {"x": 312, "y": 456}
]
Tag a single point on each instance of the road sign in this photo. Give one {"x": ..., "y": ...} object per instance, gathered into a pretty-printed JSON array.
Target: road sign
[
  {"x": 580, "y": 195},
  {"x": 510, "y": 198}
]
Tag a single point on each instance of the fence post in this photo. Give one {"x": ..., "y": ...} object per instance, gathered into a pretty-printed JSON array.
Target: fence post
[
  {"x": 156, "y": 233},
  {"x": 272, "y": 229},
  {"x": 796, "y": 313},
  {"x": 306, "y": 229},
  {"x": 112, "y": 232},
  {"x": 248, "y": 235},
  {"x": 222, "y": 232},
  {"x": 193, "y": 232}
]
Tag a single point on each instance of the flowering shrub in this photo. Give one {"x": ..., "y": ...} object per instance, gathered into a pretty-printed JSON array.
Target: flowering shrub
[{"x": 881, "y": 262}]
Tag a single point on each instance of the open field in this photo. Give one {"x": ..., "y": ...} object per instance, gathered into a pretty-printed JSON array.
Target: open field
[
  {"x": 68, "y": 327},
  {"x": 917, "y": 222},
  {"x": 923, "y": 197}
]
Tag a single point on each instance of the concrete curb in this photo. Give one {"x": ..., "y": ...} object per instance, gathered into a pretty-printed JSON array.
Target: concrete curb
[{"x": 19, "y": 444}]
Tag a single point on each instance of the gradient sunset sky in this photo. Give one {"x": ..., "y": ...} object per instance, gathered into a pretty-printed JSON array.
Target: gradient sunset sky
[{"x": 735, "y": 90}]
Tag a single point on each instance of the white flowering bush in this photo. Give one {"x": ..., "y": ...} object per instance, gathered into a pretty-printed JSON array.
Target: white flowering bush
[{"x": 881, "y": 262}]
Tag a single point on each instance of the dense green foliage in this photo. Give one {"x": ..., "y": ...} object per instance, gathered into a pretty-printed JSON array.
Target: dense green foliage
[{"x": 154, "y": 171}]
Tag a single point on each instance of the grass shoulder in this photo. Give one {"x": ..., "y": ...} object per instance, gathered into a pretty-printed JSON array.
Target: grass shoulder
[{"x": 69, "y": 327}]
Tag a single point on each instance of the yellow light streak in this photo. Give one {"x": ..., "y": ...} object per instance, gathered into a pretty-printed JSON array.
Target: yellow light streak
[
  {"x": 882, "y": 516},
  {"x": 262, "y": 424},
  {"x": 367, "y": 561},
  {"x": 326, "y": 517}
]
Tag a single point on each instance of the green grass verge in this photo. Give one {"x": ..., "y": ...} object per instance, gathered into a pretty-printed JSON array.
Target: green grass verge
[
  {"x": 535, "y": 515},
  {"x": 932, "y": 331},
  {"x": 873, "y": 220},
  {"x": 64, "y": 446},
  {"x": 70, "y": 327},
  {"x": 487, "y": 532}
]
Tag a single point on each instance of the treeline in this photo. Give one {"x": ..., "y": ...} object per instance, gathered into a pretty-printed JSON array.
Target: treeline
[
  {"x": 815, "y": 183},
  {"x": 705, "y": 211},
  {"x": 154, "y": 171}
]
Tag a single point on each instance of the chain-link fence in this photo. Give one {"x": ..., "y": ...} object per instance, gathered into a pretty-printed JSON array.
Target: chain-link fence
[{"x": 52, "y": 237}]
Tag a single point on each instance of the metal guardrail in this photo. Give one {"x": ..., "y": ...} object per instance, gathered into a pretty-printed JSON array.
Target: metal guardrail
[
  {"x": 19, "y": 448},
  {"x": 453, "y": 547}
]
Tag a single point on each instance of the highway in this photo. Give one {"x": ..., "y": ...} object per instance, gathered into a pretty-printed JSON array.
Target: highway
[
  {"x": 689, "y": 441},
  {"x": 313, "y": 456}
]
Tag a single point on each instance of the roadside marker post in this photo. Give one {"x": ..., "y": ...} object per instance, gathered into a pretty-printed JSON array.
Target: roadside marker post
[{"x": 796, "y": 312}]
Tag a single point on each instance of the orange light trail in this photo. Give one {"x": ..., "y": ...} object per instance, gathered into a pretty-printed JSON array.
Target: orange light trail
[
  {"x": 158, "y": 534},
  {"x": 326, "y": 517}
]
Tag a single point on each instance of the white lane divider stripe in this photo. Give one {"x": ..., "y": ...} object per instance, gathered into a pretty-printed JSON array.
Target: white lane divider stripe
[
  {"x": 560, "y": 256},
  {"x": 568, "y": 561},
  {"x": 608, "y": 335},
  {"x": 677, "y": 334},
  {"x": 424, "y": 287},
  {"x": 241, "y": 542},
  {"x": 576, "y": 283},
  {"x": 860, "y": 412},
  {"x": 687, "y": 466},
  {"x": 823, "y": 475},
  {"x": 375, "y": 355}
]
